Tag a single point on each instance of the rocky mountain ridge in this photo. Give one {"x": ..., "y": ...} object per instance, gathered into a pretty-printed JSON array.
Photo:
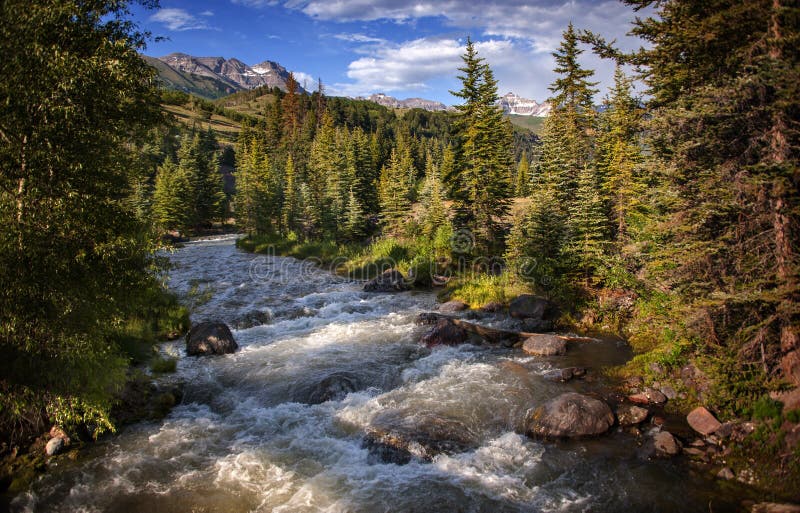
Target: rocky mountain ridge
[
  {"x": 409, "y": 103},
  {"x": 227, "y": 75},
  {"x": 517, "y": 105}
]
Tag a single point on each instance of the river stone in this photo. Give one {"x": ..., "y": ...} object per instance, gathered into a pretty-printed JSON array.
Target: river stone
[
  {"x": 54, "y": 446},
  {"x": 702, "y": 421},
  {"x": 391, "y": 280},
  {"x": 528, "y": 306},
  {"x": 665, "y": 444},
  {"x": 570, "y": 415},
  {"x": 209, "y": 338},
  {"x": 545, "y": 345},
  {"x": 444, "y": 333},
  {"x": 629, "y": 414},
  {"x": 453, "y": 306}
]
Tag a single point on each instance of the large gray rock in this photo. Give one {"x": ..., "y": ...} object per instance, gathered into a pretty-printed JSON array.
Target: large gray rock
[
  {"x": 445, "y": 333},
  {"x": 570, "y": 415},
  {"x": 545, "y": 345},
  {"x": 390, "y": 281},
  {"x": 528, "y": 306},
  {"x": 209, "y": 338}
]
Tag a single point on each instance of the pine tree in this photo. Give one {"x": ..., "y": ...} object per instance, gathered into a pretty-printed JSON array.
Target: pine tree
[
  {"x": 724, "y": 99},
  {"x": 566, "y": 143},
  {"x": 618, "y": 155},
  {"x": 290, "y": 211},
  {"x": 587, "y": 225},
  {"x": 393, "y": 191},
  {"x": 522, "y": 180},
  {"x": 172, "y": 205},
  {"x": 254, "y": 195},
  {"x": 433, "y": 214},
  {"x": 479, "y": 179},
  {"x": 353, "y": 228}
]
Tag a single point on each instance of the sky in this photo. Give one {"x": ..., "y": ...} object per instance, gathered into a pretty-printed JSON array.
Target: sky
[{"x": 403, "y": 48}]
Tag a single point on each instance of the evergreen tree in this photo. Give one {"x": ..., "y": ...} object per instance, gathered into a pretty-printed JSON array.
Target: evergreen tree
[
  {"x": 618, "y": 155},
  {"x": 433, "y": 213},
  {"x": 354, "y": 218},
  {"x": 394, "y": 190},
  {"x": 254, "y": 197},
  {"x": 290, "y": 212},
  {"x": 522, "y": 180},
  {"x": 566, "y": 141},
  {"x": 172, "y": 197},
  {"x": 588, "y": 225},
  {"x": 479, "y": 179}
]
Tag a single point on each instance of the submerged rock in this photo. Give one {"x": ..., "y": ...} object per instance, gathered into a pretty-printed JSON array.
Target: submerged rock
[
  {"x": 545, "y": 345},
  {"x": 333, "y": 388},
  {"x": 493, "y": 307},
  {"x": 528, "y": 306},
  {"x": 570, "y": 415},
  {"x": 445, "y": 333},
  {"x": 390, "y": 281},
  {"x": 702, "y": 421},
  {"x": 209, "y": 338}
]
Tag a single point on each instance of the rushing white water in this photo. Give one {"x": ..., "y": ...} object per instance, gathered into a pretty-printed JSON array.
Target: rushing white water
[{"x": 281, "y": 424}]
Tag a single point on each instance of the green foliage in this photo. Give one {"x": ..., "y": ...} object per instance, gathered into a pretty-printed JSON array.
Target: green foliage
[
  {"x": 74, "y": 256},
  {"x": 478, "y": 290},
  {"x": 766, "y": 408},
  {"x": 163, "y": 365}
]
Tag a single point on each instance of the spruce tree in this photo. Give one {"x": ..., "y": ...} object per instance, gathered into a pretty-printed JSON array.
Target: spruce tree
[
  {"x": 479, "y": 178},
  {"x": 433, "y": 214},
  {"x": 394, "y": 192},
  {"x": 290, "y": 211},
  {"x": 523, "y": 177}
]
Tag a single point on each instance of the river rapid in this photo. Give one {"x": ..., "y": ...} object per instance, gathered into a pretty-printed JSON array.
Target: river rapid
[{"x": 280, "y": 425}]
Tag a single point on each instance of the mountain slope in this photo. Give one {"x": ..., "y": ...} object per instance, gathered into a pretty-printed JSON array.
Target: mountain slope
[{"x": 201, "y": 85}]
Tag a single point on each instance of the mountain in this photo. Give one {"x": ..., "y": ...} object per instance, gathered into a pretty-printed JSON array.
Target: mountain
[
  {"x": 410, "y": 103},
  {"x": 517, "y": 105},
  {"x": 215, "y": 77}
]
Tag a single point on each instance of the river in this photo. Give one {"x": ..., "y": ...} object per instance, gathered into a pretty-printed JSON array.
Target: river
[{"x": 280, "y": 425}]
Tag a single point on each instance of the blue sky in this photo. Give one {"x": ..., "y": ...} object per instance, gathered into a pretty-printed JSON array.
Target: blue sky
[{"x": 399, "y": 47}]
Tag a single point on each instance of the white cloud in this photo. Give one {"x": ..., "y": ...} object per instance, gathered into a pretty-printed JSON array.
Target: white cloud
[
  {"x": 306, "y": 80},
  {"x": 516, "y": 37},
  {"x": 207, "y": 13},
  {"x": 179, "y": 19}
]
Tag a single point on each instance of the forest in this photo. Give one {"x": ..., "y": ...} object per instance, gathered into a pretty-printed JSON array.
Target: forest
[{"x": 668, "y": 216}]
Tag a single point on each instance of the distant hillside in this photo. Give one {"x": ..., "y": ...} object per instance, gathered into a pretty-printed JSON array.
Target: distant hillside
[
  {"x": 409, "y": 103},
  {"x": 532, "y": 123}
]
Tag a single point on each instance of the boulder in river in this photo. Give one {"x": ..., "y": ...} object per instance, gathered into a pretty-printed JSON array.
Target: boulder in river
[
  {"x": 570, "y": 415},
  {"x": 445, "y": 333},
  {"x": 207, "y": 338},
  {"x": 453, "y": 306},
  {"x": 391, "y": 280},
  {"x": 54, "y": 446},
  {"x": 545, "y": 345},
  {"x": 528, "y": 306},
  {"x": 702, "y": 421},
  {"x": 493, "y": 307},
  {"x": 395, "y": 437}
]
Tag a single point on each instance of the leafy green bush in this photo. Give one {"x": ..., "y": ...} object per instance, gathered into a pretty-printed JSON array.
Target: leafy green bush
[
  {"x": 163, "y": 365},
  {"x": 766, "y": 408}
]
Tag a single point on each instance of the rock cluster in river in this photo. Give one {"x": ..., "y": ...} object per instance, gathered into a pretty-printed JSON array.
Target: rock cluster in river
[{"x": 545, "y": 345}]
